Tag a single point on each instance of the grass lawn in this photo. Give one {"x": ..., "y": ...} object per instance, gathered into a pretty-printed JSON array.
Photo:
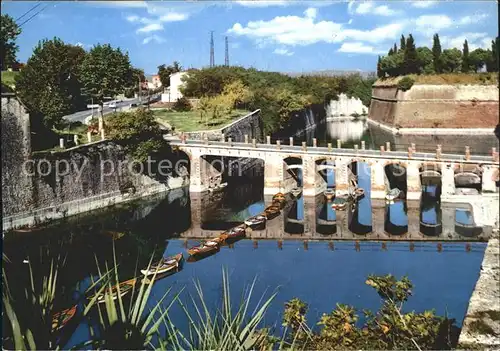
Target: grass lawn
[
  {"x": 445, "y": 78},
  {"x": 8, "y": 77},
  {"x": 191, "y": 121}
]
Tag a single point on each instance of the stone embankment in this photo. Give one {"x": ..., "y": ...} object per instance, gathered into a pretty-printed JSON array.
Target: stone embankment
[
  {"x": 481, "y": 326},
  {"x": 436, "y": 107}
]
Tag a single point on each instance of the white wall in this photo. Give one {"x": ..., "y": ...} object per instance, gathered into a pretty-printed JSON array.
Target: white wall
[
  {"x": 173, "y": 93},
  {"x": 345, "y": 106}
]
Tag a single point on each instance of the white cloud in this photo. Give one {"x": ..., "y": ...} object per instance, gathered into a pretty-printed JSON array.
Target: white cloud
[
  {"x": 174, "y": 17},
  {"x": 466, "y": 20},
  {"x": 474, "y": 39},
  {"x": 295, "y": 30},
  {"x": 430, "y": 24},
  {"x": 152, "y": 38},
  {"x": 311, "y": 12},
  {"x": 153, "y": 27},
  {"x": 262, "y": 3},
  {"x": 284, "y": 52},
  {"x": 359, "y": 48},
  {"x": 369, "y": 7},
  {"x": 235, "y": 45},
  {"x": 130, "y": 4},
  {"x": 423, "y": 4}
]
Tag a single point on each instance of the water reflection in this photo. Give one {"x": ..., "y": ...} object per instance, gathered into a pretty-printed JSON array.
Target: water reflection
[
  {"x": 294, "y": 222},
  {"x": 430, "y": 210},
  {"x": 464, "y": 223},
  {"x": 396, "y": 218},
  {"x": 360, "y": 215}
]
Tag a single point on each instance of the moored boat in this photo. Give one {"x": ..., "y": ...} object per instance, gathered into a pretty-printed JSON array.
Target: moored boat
[
  {"x": 122, "y": 289},
  {"x": 164, "y": 265},
  {"x": 272, "y": 211},
  {"x": 60, "y": 319},
  {"x": 339, "y": 203},
  {"x": 236, "y": 232},
  {"x": 329, "y": 194},
  {"x": 256, "y": 222},
  {"x": 204, "y": 248},
  {"x": 393, "y": 194},
  {"x": 279, "y": 199}
]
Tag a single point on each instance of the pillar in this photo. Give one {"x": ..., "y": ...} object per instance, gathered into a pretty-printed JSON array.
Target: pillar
[
  {"x": 89, "y": 137},
  {"x": 448, "y": 220},
  {"x": 341, "y": 177},
  {"x": 447, "y": 180},
  {"x": 489, "y": 178},
  {"x": 378, "y": 218},
  {"x": 75, "y": 139},
  {"x": 246, "y": 138},
  {"x": 273, "y": 174},
  {"x": 102, "y": 134},
  {"x": 309, "y": 176},
  {"x": 195, "y": 179},
  {"x": 61, "y": 143},
  {"x": 310, "y": 216},
  {"x": 378, "y": 187},
  {"x": 413, "y": 181}
]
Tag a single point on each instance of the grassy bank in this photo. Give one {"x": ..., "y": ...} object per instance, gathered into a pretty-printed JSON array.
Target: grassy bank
[
  {"x": 445, "y": 79},
  {"x": 190, "y": 121}
]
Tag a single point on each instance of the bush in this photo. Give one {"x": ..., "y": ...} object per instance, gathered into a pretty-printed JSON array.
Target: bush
[
  {"x": 405, "y": 83},
  {"x": 182, "y": 105}
]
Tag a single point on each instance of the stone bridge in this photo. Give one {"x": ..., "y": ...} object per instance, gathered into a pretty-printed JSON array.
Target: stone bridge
[{"x": 280, "y": 175}]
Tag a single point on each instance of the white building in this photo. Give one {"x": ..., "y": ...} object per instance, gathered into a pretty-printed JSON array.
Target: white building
[{"x": 173, "y": 93}]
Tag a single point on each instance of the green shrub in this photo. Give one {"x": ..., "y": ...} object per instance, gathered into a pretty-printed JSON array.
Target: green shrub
[
  {"x": 182, "y": 105},
  {"x": 405, "y": 83}
]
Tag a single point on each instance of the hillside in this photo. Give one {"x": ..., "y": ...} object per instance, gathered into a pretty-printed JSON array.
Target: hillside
[{"x": 445, "y": 79}]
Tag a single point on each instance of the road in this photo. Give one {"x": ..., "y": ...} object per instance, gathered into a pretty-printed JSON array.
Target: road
[{"x": 82, "y": 115}]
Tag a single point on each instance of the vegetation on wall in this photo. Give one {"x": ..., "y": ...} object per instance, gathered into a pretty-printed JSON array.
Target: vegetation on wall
[
  {"x": 409, "y": 59},
  {"x": 276, "y": 94}
]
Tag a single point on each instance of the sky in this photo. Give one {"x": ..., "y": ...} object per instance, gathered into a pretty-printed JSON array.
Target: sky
[{"x": 280, "y": 35}]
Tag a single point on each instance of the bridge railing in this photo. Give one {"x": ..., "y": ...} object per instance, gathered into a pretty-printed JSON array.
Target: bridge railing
[{"x": 337, "y": 149}]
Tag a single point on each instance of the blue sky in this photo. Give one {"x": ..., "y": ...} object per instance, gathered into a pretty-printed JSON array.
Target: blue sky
[{"x": 281, "y": 35}]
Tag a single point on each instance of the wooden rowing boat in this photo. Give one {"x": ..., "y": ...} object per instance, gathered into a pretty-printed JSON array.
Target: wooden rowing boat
[
  {"x": 60, "y": 319},
  {"x": 256, "y": 222},
  {"x": 166, "y": 264},
  {"x": 393, "y": 194},
  {"x": 204, "y": 248},
  {"x": 329, "y": 194},
  {"x": 272, "y": 211},
  {"x": 236, "y": 232},
  {"x": 279, "y": 199},
  {"x": 122, "y": 289}
]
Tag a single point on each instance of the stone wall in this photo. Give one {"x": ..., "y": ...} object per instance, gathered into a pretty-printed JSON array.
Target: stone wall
[
  {"x": 345, "y": 106},
  {"x": 436, "y": 106},
  {"x": 16, "y": 149}
]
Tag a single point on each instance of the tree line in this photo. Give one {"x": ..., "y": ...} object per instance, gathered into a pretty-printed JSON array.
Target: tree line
[
  {"x": 409, "y": 59},
  {"x": 276, "y": 94}
]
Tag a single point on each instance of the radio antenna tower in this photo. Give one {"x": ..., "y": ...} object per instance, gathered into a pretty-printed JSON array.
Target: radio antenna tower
[
  {"x": 226, "y": 61},
  {"x": 212, "y": 57}
]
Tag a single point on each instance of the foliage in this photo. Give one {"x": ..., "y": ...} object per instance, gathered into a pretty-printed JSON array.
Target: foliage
[
  {"x": 380, "y": 72},
  {"x": 9, "y": 32},
  {"x": 492, "y": 64},
  {"x": 389, "y": 328},
  {"x": 451, "y": 60},
  {"x": 138, "y": 132},
  {"x": 410, "y": 58},
  {"x": 478, "y": 59},
  {"x": 425, "y": 63},
  {"x": 392, "y": 64},
  {"x": 436, "y": 53},
  {"x": 9, "y": 78},
  {"x": 182, "y": 104},
  {"x": 165, "y": 71},
  {"x": 465, "y": 57},
  {"x": 105, "y": 71},
  {"x": 405, "y": 83},
  {"x": 50, "y": 83},
  {"x": 240, "y": 93},
  {"x": 230, "y": 328}
]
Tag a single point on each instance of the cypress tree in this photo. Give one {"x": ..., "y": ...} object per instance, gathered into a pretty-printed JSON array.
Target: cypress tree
[
  {"x": 495, "y": 47},
  {"x": 436, "y": 54},
  {"x": 402, "y": 43},
  {"x": 395, "y": 48},
  {"x": 390, "y": 52},
  {"x": 410, "y": 61},
  {"x": 465, "y": 58},
  {"x": 380, "y": 73}
]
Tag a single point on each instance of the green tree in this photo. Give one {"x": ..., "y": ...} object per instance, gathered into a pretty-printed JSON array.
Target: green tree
[
  {"x": 9, "y": 32},
  {"x": 425, "y": 62},
  {"x": 451, "y": 60},
  {"x": 391, "y": 52},
  {"x": 380, "y": 72},
  {"x": 402, "y": 43},
  {"x": 165, "y": 71},
  {"x": 465, "y": 58},
  {"x": 240, "y": 93},
  {"x": 410, "y": 57},
  {"x": 393, "y": 65},
  {"x": 395, "y": 48},
  {"x": 105, "y": 71},
  {"x": 479, "y": 58},
  {"x": 436, "y": 53},
  {"x": 49, "y": 84},
  {"x": 492, "y": 63}
]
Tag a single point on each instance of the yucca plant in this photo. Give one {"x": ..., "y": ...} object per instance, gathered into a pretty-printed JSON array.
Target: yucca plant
[{"x": 224, "y": 329}]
